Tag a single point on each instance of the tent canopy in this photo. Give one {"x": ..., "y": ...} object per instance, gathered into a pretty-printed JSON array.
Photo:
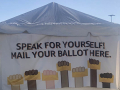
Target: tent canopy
[{"x": 58, "y": 20}]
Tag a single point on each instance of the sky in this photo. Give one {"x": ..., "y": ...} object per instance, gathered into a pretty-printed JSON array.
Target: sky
[{"x": 97, "y": 8}]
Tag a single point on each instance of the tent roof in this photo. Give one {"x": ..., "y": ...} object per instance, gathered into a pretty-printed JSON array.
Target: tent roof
[
  {"x": 54, "y": 13},
  {"x": 55, "y": 19}
]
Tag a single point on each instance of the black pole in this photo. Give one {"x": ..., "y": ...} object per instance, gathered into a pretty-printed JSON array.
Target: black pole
[{"x": 111, "y": 17}]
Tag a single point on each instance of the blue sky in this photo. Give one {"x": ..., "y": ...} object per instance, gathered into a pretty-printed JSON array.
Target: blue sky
[{"x": 97, "y": 8}]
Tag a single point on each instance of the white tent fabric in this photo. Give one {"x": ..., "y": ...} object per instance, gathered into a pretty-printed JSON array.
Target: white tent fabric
[
  {"x": 62, "y": 30},
  {"x": 58, "y": 20}
]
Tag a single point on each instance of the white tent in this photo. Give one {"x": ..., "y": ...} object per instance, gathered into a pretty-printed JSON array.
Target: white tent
[
  {"x": 53, "y": 18},
  {"x": 52, "y": 23}
]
